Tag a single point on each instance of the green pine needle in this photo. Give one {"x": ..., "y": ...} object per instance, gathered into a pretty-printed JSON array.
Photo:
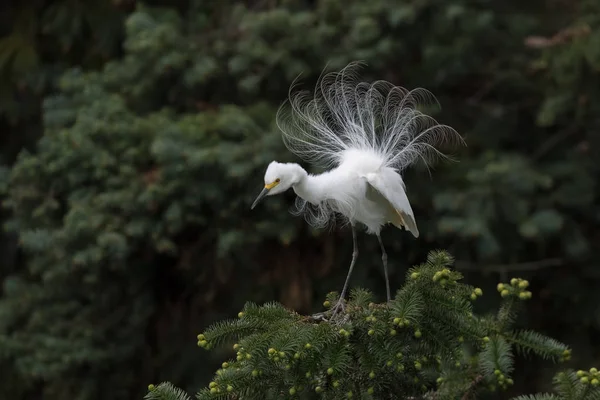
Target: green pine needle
[
  {"x": 165, "y": 391},
  {"x": 426, "y": 340},
  {"x": 496, "y": 355},
  {"x": 528, "y": 341},
  {"x": 545, "y": 396},
  {"x": 568, "y": 385}
]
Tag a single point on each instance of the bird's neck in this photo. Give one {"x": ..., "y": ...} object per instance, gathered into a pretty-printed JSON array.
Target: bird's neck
[{"x": 310, "y": 188}]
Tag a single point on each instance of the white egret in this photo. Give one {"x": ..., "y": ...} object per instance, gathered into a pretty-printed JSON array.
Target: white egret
[{"x": 364, "y": 135}]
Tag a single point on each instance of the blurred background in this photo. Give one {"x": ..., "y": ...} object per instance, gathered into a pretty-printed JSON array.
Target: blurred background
[{"x": 134, "y": 137}]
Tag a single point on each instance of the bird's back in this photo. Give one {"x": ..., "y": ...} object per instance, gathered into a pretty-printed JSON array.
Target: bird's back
[
  {"x": 361, "y": 161},
  {"x": 359, "y": 128},
  {"x": 347, "y": 188}
]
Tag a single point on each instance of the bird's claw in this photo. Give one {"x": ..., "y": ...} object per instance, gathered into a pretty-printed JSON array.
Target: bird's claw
[
  {"x": 339, "y": 308},
  {"x": 335, "y": 314}
]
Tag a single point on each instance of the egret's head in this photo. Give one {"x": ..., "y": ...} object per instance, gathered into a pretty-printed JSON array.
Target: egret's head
[{"x": 279, "y": 177}]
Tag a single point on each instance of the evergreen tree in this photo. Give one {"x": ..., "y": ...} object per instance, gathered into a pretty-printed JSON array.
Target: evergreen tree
[{"x": 425, "y": 344}]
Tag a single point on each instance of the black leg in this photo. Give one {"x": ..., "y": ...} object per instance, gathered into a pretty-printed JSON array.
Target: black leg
[
  {"x": 340, "y": 303},
  {"x": 385, "y": 268}
]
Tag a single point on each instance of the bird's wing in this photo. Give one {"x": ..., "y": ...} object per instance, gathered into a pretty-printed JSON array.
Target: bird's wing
[{"x": 387, "y": 189}]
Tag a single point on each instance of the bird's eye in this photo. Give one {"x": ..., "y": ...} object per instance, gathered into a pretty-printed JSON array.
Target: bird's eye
[{"x": 277, "y": 180}]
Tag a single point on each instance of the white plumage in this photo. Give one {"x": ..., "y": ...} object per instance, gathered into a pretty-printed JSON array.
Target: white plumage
[{"x": 364, "y": 135}]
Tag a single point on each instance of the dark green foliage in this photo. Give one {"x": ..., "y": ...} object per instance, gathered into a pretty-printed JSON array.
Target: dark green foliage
[
  {"x": 165, "y": 391},
  {"x": 570, "y": 385},
  {"x": 132, "y": 212},
  {"x": 107, "y": 198},
  {"x": 425, "y": 343},
  {"x": 39, "y": 38}
]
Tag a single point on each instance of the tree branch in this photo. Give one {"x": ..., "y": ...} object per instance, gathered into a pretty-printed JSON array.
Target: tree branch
[{"x": 474, "y": 384}]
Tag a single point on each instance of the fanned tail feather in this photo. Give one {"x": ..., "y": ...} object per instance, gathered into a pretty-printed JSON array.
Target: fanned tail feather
[{"x": 345, "y": 114}]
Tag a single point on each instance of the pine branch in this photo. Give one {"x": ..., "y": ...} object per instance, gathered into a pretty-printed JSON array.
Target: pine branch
[
  {"x": 426, "y": 343},
  {"x": 583, "y": 385},
  {"x": 545, "y": 347},
  {"x": 471, "y": 389},
  {"x": 568, "y": 385},
  {"x": 496, "y": 359},
  {"x": 165, "y": 391},
  {"x": 545, "y": 396}
]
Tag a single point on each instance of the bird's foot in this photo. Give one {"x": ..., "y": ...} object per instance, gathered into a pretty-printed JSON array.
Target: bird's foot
[
  {"x": 339, "y": 308},
  {"x": 335, "y": 313}
]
